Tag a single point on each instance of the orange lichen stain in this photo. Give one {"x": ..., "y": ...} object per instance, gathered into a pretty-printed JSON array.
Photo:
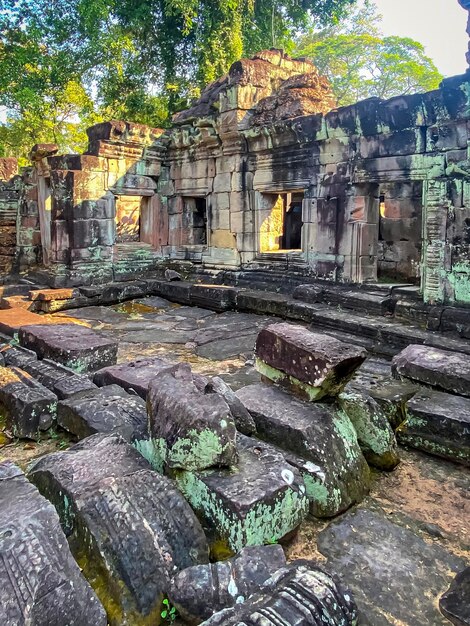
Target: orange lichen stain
[{"x": 7, "y": 376}]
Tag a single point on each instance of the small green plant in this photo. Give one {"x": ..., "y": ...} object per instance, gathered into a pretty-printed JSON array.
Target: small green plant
[
  {"x": 272, "y": 541},
  {"x": 168, "y": 613}
]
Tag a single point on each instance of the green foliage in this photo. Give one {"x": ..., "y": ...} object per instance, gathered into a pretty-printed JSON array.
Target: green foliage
[
  {"x": 361, "y": 63},
  {"x": 168, "y": 613},
  {"x": 67, "y": 64}
]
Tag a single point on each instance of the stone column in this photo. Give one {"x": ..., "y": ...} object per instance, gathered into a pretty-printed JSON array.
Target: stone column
[{"x": 466, "y": 5}]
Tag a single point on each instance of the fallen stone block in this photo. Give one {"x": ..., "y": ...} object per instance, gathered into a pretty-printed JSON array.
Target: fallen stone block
[
  {"x": 261, "y": 501},
  {"x": 72, "y": 345},
  {"x": 448, "y": 371},
  {"x": 40, "y": 583},
  {"x": 243, "y": 420},
  {"x": 59, "y": 379},
  {"x": 129, "y": 528},
  {"x": 134, "y": 376},
  {"x": 300, "y": 594},
  {"x": 374, "y": 432},
  {"x": 312, "y": 365},
  {"x": 106, "y": 410},
  {"x": 200, "y": 591},
  {"x": 215, "y": 297},
  {"x": 455, "y": 603},
  {"x": 195, "y": 430},
  {"x": 11, "y": 320},
  {"x": 27, "y": 407},
  {"x": 390, "y": 394},
  {"x": 394, "y": 575},
  {"x": 438, "y": 423},
  {"x": 322, "y": 442}
]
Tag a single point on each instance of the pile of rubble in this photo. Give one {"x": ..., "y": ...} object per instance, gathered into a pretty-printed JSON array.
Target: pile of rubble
[{"x": 173, "y": 469}]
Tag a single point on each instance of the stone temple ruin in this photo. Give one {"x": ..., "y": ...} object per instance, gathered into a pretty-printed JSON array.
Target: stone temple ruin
[{"x": 235, "y": 363}]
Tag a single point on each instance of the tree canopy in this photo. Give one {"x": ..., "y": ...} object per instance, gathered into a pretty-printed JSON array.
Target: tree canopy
[
  {"x": 360, "y": 62},
  {"x": 66, "y": 64}
]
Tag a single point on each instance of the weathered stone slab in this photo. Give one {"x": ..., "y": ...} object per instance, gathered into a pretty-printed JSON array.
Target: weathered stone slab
[
  {"x": 27, "y": 407},
  {"x": 449, "y": 371},
  {"x": 134, "y": 375},
  {"x": 200, "y": 591},
  {"x": 130, "y": 528},
  {"x": 333, "y": 467},
  {"x": 300, "y": 594},
  {"x": 194, "y": 429},
  {"x": 74, "y": 346},
  {"x": 374, "y": 432},
  {"x": 215, "y": 297},
  {"x": 313, "y": 365},
  {"x": 455, "y": 603},
  {"x": 243, "y": 420},
  {"x": 40, "y": 583},
  {"x": 106, "y": 410},
  {"x": 395, "y": 576},
  {"x": 438, "y": 423},
  {"x": 17, "y": 356},
  {"x": 260, "y": 501}
]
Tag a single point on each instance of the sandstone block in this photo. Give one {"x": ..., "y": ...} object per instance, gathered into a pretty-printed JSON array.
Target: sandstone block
[
  {"x": 106, "y": 410},
  {"x": 454, "y": 603},
  {"x": 438, "y": 423},
  {"x": 449, "y": 371},
  {"x": 322, "y": 441},
  {"x": 298, "y": 594},
  {"x": 72, "y": 345},
  {"x": 243, "y": 420},
  {"x": 133, "y": 376},
  {"x": 311, "y": 364},
  {"x": 196, "y": 430},
  {"x": 129, "y": 528},
  {"x": 374, "y": 432},
  {"x": 200, "y": 591},
  {"x": 27, "y": 407},
  {"x": 215, "y": 297},
  {"x": 262, "y": 501},
  {"x": 40, "y": 583}
]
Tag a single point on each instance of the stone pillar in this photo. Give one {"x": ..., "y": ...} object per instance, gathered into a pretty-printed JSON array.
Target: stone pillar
[{"x": 466, "y": 5}]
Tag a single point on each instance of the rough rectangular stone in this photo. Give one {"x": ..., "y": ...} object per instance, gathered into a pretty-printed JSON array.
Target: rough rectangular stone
[
  {"x": 199, "y": 591},
  {"x": 133, "y": 376},
  {"x": 311, "y": 364},
  {"x": 175, "y": 291},
  {"x": 72, "y": 345},
  {"x": 449, "y": 371},
  {"x": 27, "y": 407},
  {"x": 129, "y": 528},
  {"x": 320, "y": 441},
  {"x": 214, "y": 297},
  {"x": 106, "y": 410},
  {"x": 438, "y": 423},
  {"x": 40, "y": 583},
  {"x": 262, "y": 501},
  {"x": 193, "y": 429}
]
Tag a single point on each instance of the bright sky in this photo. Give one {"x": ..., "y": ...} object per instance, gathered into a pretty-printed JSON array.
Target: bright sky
[{"x": 440, "y": 25}]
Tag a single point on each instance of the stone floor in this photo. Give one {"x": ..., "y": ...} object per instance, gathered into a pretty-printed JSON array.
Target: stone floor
[{"x": 398, "y": 550}]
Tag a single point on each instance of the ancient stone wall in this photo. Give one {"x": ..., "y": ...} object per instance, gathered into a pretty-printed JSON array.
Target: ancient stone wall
[
  {"x": 9, "y": 202},
  {"x": 264, "y": 172}
]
